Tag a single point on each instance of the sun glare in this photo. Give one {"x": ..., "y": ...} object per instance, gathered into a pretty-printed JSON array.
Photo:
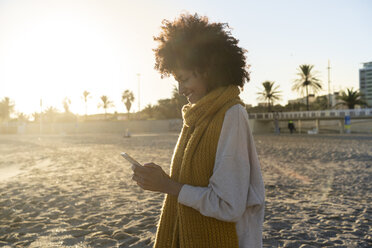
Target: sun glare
[{"x": 59, "y": 58}]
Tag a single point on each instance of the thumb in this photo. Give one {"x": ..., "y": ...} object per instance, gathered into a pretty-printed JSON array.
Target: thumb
[{"x": 151, "y": 165}]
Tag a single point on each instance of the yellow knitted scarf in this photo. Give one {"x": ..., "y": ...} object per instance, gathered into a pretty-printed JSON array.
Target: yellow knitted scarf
[{"x": 192, "y": 163}]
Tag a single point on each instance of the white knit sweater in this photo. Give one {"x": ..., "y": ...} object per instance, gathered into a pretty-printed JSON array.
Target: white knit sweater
[{"x": 236, "y": 191}]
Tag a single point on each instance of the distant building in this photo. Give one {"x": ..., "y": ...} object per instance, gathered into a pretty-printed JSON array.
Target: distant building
[
  {"x": 262, "y": 104},
  {"x": 334, "y": 100},
  {"x": 303, "y": 100},
  {"x": 365, "y": 82}
]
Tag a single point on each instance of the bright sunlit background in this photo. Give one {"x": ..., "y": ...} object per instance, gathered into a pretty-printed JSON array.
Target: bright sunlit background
[{"x": 50, "y": 50}]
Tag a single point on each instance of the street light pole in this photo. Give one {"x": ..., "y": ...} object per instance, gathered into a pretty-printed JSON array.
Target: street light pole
[
  {"x": 139, "y": 96},
  {"x": 41, "y": 117},
  {"x": 329, "y": 85}
]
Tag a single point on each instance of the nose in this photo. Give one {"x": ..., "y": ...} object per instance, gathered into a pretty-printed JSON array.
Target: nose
[{"x": 181, "y": 89}]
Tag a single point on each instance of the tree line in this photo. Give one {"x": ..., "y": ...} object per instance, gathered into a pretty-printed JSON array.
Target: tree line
[
  {"x": 170, "y": 108},
  {"x": 164, "y": 109},
  {"x": 307, "y": 81},
  {"x": 52, "y": 114}
]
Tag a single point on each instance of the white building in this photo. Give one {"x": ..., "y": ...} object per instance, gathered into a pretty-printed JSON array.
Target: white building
[
  {"x": 262, "y": 104},
  {"x": 312, "y": 99},
  {"x": 365, "y": 82},
  {"x": 334, "y": 100},
  {"x": 303, "y": 100}
]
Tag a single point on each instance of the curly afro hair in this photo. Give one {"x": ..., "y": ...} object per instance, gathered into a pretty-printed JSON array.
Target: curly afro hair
[{"x": 193, "y": 43}]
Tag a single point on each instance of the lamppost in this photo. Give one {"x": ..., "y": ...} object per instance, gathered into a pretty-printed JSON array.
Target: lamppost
[
  {"x": 329, "y": 86},
  {"x": 139, "y": 96},
  {"x": 41, "y": 116}
]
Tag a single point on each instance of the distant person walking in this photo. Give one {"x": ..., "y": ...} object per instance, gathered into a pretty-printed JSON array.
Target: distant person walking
[
  {"x": 276, "y": 123},
  {"x": 291, "y": 126},
  {"x": 215, "y": 192}
]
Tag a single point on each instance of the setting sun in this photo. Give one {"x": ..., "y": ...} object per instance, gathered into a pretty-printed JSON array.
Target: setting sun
[
  {"x": 51, "y": 50},
  {"x": 59, "y": 50}
]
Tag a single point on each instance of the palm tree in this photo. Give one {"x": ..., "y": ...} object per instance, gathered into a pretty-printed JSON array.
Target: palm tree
[
  {"x": 36, "y": 116},
  {"x": 51, "y": 114},
  {"x": 6, "y": 108},
  {"x": 351, "y": 98},
  {"x": 106, "y": 103},
  {"x": 127, "y": 98},
  {"x": 149, "y": 111},
  {"x": 66, "y": 104},
  {"x": 21, "y": 117},
  {"x": 308, "y": 79},
  {"x": 269, "y": 93},
  {"x": 85, "y": 96}
]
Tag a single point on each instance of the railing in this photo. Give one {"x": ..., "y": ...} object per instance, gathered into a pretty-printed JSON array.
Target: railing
[{"x": 311, "y": 115}]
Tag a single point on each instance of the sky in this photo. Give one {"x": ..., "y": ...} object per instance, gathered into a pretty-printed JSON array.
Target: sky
[{"x": 53, "y": 49}]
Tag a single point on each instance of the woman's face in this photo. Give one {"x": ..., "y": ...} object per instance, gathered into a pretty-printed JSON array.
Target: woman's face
[{"x": 191, "y": 85}]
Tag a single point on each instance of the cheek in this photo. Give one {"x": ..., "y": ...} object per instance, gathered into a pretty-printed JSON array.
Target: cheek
[{"x": 203, "y": 90}]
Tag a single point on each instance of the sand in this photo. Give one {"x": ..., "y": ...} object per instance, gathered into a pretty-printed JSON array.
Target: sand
[{"x": 76, "y": 191}]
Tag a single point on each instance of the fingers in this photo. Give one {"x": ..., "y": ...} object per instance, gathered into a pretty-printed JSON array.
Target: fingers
[
  {"x": 143, "y": 186},
  {"x": 137, "y": 178},
  {"x": 146, "y": 169},
  {"x": 150, "y": 176},
  {"x": 139, "y": 169},
  {"x": 151, "y": 165},
  {"x": 140, "y": 182}
]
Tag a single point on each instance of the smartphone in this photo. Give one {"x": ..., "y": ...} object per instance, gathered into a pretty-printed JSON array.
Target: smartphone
[{"x": 130, "y": 159}]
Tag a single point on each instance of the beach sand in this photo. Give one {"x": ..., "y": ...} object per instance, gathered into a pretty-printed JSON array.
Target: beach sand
[{"x": 76, "y": 191}]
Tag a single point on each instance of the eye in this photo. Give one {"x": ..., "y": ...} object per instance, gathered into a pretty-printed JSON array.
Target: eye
[
  {"x": 185, "y": 80},
  {"x": 182, "y": 80}
]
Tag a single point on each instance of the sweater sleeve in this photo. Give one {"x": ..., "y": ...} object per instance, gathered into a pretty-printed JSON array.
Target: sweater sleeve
[{"x": 225, "y": 198}]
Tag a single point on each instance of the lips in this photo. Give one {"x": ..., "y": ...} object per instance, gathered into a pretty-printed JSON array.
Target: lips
[{"x": 188, "y": 95}]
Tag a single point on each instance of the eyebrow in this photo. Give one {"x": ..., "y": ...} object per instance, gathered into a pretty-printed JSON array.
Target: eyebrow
[{"x": 182, "y": 79}]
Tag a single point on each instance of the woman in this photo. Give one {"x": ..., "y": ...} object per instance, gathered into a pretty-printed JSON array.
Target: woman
[{"x": 215, "y": 193}]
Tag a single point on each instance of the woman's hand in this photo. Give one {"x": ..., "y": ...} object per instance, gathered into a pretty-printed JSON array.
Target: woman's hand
[{"x": 151, "y": 177}]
